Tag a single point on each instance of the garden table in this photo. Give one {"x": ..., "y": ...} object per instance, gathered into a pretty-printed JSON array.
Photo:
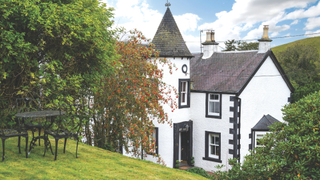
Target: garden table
[{"x": 48, "y": 114}]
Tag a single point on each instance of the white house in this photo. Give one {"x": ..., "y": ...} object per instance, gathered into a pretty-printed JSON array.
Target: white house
[{"x": 226, "y": 99}]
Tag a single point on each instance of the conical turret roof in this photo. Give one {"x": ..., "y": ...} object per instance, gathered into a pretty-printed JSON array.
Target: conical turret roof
[{"x": 168, "y": 39}]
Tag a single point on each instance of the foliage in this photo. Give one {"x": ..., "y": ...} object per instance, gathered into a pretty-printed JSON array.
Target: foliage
[
  {"x": 132, "y": 98},
  {"x": 244, "y": 46},
  {"x": 298, "y": 63},
  {"x": 177, "y": 165},
  {"x": 192, "y": 160},
  {"x": 230, "y": 45},
  {"x": 233, "y": 45},
  {"x": 54, "y": 49},
  {"x": 291, "y": 151},
  {"x": 305, "y": 90},
  {"x": 92, "y": 163}
]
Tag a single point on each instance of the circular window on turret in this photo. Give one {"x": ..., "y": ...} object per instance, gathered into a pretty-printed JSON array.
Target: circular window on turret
[{"x": 184, "y": 68}]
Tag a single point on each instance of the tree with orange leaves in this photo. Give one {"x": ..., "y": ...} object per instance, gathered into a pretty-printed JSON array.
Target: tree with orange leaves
[{"x": 132, "y": 98}]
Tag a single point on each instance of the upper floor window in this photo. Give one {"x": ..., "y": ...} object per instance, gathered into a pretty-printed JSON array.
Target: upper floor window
[
  {"x": 213, "y": 105},
  {"x": 184, "y": 93}
]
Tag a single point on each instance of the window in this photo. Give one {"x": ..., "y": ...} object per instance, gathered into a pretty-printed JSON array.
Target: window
[
  {"x": 213, "y": 105},
  {"x": 258, "y": 135},
  {"x": 184, "y": 93},
  {"x": 155, "y": 137},
  {"x": 212, "y": 146}
]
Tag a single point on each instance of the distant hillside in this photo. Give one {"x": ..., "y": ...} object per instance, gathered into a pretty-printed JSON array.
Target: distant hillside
[{"x": 314, "y": 41}]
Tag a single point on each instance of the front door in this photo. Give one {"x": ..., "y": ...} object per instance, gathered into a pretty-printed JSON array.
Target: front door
[{"x": 182, "y": 140}]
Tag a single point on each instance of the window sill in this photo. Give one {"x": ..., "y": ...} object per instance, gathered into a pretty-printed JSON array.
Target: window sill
[
  {"x": 184, "y": 106},
  {"x": 211, "y": 159},
  {"x": 213, "y": 116}
]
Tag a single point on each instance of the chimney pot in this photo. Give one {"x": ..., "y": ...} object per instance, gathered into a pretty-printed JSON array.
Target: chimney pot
[{"x": 265, "y": 36}]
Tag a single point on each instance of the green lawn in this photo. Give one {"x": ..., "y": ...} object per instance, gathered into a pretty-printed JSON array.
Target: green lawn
[{"x": 92, "y": 163}]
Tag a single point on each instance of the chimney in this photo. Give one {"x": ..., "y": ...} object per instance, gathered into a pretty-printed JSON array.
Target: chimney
[
  {"x": 264, "y": 42},
  {"x": 209, "y": 46}
]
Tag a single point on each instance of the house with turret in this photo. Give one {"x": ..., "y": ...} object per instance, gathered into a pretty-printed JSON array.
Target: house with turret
[{"x": 226, "y": 100}]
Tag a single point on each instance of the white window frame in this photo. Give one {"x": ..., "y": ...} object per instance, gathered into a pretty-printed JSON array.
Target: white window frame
[
  {"x": 184, "y": 93},
  {"x": 258, "y": 135},
  {"x": 216, "y": 102},
  {"x": 215, "y": 145}
]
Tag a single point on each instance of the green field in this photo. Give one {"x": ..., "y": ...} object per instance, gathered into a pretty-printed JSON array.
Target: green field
[{"x": 92, "y": 163}]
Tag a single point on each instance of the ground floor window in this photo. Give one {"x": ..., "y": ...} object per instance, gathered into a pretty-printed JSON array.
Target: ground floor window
[
  {"x": 258, "y": 136},
  {"x": 212, "y": 146},
  {"x": 155, "y": 136}
]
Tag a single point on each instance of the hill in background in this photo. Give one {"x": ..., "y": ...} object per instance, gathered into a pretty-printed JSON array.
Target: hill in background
[{"x": 314, "y": 41}]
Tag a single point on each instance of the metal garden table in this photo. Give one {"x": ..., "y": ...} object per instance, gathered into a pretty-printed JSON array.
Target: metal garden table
[{"x": 39, "y": 114}]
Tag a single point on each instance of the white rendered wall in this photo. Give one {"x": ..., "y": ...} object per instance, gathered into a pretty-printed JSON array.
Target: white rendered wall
[
  {"x": 266, "y": 93},
  {"x": 202, "y": 124},
  {"x": 165, "y": 143}
]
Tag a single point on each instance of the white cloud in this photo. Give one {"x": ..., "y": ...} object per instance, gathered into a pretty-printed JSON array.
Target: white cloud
[
  {"x": 313, "y": 33},
  {"x": 312, "y": 23},
  {"x": 295, "y": 22},
  {"x": 146, "y": 19},
  {"x": 187, "y": 22},
  {"x": 246, "y": 13},
  {"x": 301, "y": 13}
]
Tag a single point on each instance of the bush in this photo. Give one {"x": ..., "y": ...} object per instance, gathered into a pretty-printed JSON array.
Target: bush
[{"x": 199, "y": 171}]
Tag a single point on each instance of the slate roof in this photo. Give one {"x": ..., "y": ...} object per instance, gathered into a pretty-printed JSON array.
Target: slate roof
[
  {"x": 228, "y": 72},
  {"x": 264, "y": 122},
  {"x": 168, "y": 39}
]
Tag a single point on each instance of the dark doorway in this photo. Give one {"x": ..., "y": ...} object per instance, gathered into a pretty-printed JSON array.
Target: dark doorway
[
  {"x": 182, "y": 140},
  {"x": 185, "y": 146}
]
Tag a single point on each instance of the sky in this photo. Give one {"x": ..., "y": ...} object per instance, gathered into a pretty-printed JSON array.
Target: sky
[{"x": 288, "y": 20}]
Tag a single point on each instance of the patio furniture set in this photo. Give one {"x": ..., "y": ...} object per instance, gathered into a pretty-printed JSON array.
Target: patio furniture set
[{"x": 32, "y": 116}]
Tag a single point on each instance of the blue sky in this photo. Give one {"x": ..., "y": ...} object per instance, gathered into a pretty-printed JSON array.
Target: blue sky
[{"x": 231, "y": 19}]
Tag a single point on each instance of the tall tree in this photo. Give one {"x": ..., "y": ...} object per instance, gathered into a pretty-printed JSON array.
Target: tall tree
[
  {"x": 56, "y": 48},
  {"x": 298, "y": 63},
  {"x": 132, "y": 98}
]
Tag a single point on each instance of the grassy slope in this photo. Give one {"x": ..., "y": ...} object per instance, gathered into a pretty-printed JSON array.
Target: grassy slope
[
  {"x": 92, "y": 163},
  {"x": 314, "y": 41}
]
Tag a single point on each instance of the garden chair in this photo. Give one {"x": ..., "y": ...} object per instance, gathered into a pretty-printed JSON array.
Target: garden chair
[
  {"x": 16, "y": 131},
  {"x": 67, "y": 126},
  {"x": 33, "y": 124}
]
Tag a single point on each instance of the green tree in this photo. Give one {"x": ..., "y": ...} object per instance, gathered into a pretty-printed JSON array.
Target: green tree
[
  {"x": 291, "y": 151},
  {"x": 305, "y": 90},
  {"x": 298, "y": 63},
  {"x": 132, "y": 98},
  {"x": 244, "y": 46},
  {"x": 233, "y": 45},
  {"x": 58, "y": 49}
]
